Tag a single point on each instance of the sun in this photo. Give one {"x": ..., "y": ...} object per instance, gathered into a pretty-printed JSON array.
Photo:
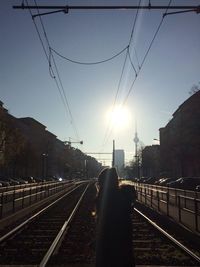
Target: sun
[{"x": 119, "y": 117}]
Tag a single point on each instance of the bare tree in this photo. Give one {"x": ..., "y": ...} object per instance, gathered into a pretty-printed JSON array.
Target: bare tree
[{"x": 195, "y": 88}]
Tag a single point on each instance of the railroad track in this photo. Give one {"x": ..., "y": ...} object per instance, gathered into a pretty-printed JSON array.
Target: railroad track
[
  {"x": 154, "y": 246},
  {"x": 64, "y": 235},
  {"x": 78, "y": 246},
  {"x": 33, "y": 242}
]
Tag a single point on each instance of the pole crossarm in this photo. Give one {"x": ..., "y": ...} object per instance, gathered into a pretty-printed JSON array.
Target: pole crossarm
[
  {"x": 123, "y": 7},
  {"x": 97, "y": 153},
  {"x": 52, "y": 12},
  {"x": 65, "y": 9},
  {"x": 71, "y": 142},
  {"x": 197, "y": 10}
]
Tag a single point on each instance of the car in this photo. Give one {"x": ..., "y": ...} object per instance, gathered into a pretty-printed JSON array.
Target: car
[
  {"x": 39, "y": 180},
  {"x": 22, "y": 181},
  {"x": 13, "y": 181},
  {"x": 29, "y": 179},
  {"x": 197, "y": 188},
  {"x": 141, "y": 179},
  {"x": 186, "y": 183},
  {"x": 51, "y": 179},
  {"x": 164, "y": 181},
  {"x": 150, "y": 180},
  {"x": 4, "y": 183}
]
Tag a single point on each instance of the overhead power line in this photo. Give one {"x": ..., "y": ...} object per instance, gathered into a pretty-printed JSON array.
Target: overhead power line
[
  {"x": 143, "y": 61},
  {"x": 90, "y": 63},
  {"x": 66, "y": 8},
  {"x": 55, "y": 76},
  {"x": 147, "y": 52},
  {"x": 109, "y": 128}
]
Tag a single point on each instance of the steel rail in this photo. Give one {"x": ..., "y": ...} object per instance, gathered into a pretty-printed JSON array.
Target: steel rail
[
  {"x": 17, "y": 228},
  {"x": 63, "y": 230},
  {"x": 175, "y": 241}
]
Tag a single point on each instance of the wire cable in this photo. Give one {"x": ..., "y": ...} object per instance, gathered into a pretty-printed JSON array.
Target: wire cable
[
  {"x": 90, "y": 63},
  {"x": 109, "y": 125},
  {"x": 66, "y": 100},
  {"x": 109, "y": 128},
  {"x": 129, "y": 56},
  {"x": 147, "y": 52},
  {"x": 131, "y": 38},
  {"x": 51, "y": 71},
  {"x": 145, "y": 56}
]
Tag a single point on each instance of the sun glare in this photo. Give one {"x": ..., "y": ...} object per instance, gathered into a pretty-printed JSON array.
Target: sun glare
[{"x": 119, "y": 117}]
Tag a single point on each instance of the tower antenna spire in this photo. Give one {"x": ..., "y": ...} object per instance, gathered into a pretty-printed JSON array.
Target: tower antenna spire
[{"x": 136, "y": 141}]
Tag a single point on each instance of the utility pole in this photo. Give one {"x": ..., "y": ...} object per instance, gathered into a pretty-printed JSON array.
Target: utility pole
[{"x": 113, "y": 159}]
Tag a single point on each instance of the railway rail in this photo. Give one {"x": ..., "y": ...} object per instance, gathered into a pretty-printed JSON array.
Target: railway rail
[
  {"x": 30, "y": 243},
  {"x": 64, "y": 235},
  {"x": 153, "y": 245}
]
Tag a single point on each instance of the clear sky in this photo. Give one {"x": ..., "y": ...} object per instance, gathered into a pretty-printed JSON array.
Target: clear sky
[{"x": 171, "y": 68}]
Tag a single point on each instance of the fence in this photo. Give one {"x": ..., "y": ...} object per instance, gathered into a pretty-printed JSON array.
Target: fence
[
  {"x": 15, "y": 198},
  {"x": 181, "y": 205}
]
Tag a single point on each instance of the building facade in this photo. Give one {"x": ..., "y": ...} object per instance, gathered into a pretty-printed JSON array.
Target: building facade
[
  {"x": 180, "y": 141},
  {"x": 151, "y": 161},
  {"x": 27, "y": 148},
  {"x": 119, "y": 160}
]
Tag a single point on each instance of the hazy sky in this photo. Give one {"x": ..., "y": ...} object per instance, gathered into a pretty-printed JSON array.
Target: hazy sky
[{"x": 171, "y": 68}]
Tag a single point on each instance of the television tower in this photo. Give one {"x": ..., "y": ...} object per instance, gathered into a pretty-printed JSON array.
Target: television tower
[{"x": 136, "y": 141}]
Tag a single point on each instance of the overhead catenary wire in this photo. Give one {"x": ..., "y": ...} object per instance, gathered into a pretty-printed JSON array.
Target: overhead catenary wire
[
  {"x": 131, "y": 38},
  {"x": 109, "y": 128},
  {"x": 66, "y": 101},
  {"x": 51, "y": 71},
  {"x": 147, "y": 52},
  {"x": 49, "y": 56},
  {"x": 127, "y": 49},
  {"x": 89, "y": 63},
  {"x": 143, "y": 61},
  {"x": 128, "y": 55}
]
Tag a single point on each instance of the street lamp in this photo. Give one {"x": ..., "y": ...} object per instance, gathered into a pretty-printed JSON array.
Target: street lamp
[{"x": 73, "y": 142}]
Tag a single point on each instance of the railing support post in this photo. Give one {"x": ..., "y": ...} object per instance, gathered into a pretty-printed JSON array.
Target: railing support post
[
  {"x": 167, "y": 199},
  {"x": 196, "y": 214},
  {"x": 13, "y": 201},
  {"x": 2, "y": 197},
  {"x": 145, "y": 196},
  {"x": 30, "y": 197},
  {"x": 23, "y": 198},
  {"x": 158, "y": 200},
  {"x": 179, "y": 208}
]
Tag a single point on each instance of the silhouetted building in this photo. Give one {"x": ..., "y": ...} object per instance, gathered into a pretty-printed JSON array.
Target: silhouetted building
[
  {"x": 180, "y": 140},
  {"x": 28, "y": 149},
  {"x": 119, "y": 160},
  {"x": 151, "y": 161}
]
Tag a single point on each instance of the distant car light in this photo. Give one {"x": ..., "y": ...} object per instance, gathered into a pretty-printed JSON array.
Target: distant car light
[{"x": 60, "y": 179}]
